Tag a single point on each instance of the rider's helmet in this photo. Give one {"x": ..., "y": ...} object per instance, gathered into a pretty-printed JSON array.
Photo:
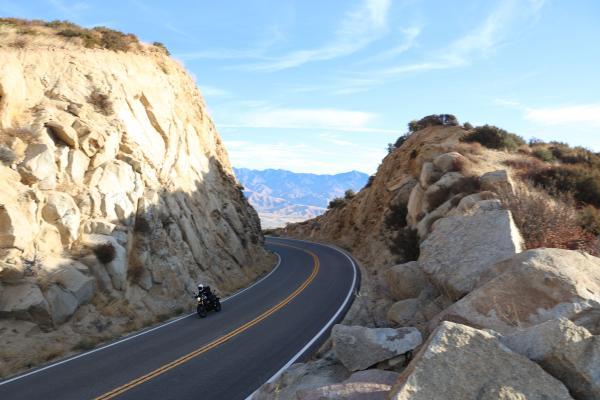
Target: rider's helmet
[{"x": 200, "y": 287}]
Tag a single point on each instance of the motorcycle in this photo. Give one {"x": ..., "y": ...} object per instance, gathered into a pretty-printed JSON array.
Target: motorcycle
[{"x": 205, "y": 305}]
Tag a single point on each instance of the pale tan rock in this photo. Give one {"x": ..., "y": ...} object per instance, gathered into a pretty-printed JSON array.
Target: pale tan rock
[
  {"x": 38, "y": 166},
  {"x": 359, "y": 347},
  {"x": 405, "y": 281},
  {"x": 64, "y": 132},
  {"x": 71, "y": 278},
  {"x": 371, "y": 384},
  {"x": 530, "y": 288},
  {"x": 462, "y": 248},
  {"x": 62, "y": 303},
  {"x": 402, "y": 313},
  {"x": 497, "y": 181},
  {"x": 449, "y": 162},
  {"x": 440, "y": 189},
  {"x": 415, "y": 205},
  {"x": 460, "y": 362},
  {"x": 567, "y": 351},
  {"x": 25, "y": 301},
  {"x": 429, "y": 174},
  {"x": 61, "y": 211},
  {"x": 78, "y": 165}
]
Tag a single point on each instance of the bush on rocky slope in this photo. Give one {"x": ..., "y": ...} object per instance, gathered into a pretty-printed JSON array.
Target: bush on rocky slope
[
  {"x": 547, "y": 221},
  {"x": 495, "y": 138}
]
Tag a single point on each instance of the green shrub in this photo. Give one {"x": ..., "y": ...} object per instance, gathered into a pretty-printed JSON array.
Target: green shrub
[
  {"x": 432, "y": 120},
  {"x": 583, "y": 183},
  {"x": 105, "y": 253},
  {"x": 370, "y": 181},
  {"x": 543, "y": 154},
  {"x": 349, "y": 194},
  {"x": 162, "y": 46},
  {"x": 467, "y": 126},
  {"x": 336, "y": 203},
  {"x": 495, "y": 138}
]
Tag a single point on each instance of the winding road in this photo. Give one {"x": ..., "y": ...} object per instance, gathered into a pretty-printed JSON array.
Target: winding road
[{"x": 261, "y": 330}]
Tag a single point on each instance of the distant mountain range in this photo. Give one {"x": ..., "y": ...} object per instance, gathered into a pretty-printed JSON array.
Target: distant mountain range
[{"x": 282, "y": 196}]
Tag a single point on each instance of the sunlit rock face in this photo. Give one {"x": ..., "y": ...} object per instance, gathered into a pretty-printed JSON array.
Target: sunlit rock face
[{"x": 117, "y": 196}]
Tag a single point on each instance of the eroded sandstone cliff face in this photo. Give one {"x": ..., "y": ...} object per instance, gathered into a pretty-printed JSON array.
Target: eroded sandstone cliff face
[{"x": 116, "y": 197}]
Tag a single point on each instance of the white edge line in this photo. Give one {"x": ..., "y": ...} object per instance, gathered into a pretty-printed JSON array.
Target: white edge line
[
  {"x": 329, "y": 323},
  {"x": 138, "y": 334}
]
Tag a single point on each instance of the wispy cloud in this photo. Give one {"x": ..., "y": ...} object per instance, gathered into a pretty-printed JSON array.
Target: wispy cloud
[
  {"x": 72, "y": 10},
  {"x": 409, "y": 40},
  {"x": 314, "y": 158},
  {"x": 359, "y": 28},
  {"x": 482, "y": 41},
  {"x": 309, "y": 119},
  {"x": 584, "y": 114},
  {"x": 213, "y": 91}
]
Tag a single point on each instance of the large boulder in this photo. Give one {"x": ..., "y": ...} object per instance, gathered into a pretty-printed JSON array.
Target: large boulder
[
  {"x": 303, "y": 376},
  {"x": 462, "y": 248},
  {"x": 460, "y": 362},
  {"x": 24, "y": 301},
  {"x": 71, "y": 278},
  {"x": 61, "y": 211},
  {"x": 405, "y": 281},
  {"x": 62, "y": 303},
  {"x": 402, "y": 313},
  {"x": 372, "y": 384},
  {"x": 567, "y": 351},
  {"x": 437, "y": 193},
  {"x": 78, "y": 165},
  {"x": 358, "y": 347},
  {"x": 415, "y": 205},
  {"x": 449, "y": 162},
  {"x": 530, "y": 288},
  {"x": 497, "y": 181},
  {"x": 39, "y": 166}
]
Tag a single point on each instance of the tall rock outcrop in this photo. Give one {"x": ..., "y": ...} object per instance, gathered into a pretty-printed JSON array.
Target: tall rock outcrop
[{"x": 116, "y": 193}]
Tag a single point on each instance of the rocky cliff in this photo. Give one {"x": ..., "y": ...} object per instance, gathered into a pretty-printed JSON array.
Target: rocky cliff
[
  {"x": 116, "y": 194},
  {"x": 455, "y": 303}
]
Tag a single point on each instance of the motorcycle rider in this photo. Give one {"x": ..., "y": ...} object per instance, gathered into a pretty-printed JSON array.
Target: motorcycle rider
[{"x": 205, "y": 290}]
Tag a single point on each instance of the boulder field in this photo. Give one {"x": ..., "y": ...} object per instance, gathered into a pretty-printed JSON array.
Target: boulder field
[{"x": 441, "y": 255}]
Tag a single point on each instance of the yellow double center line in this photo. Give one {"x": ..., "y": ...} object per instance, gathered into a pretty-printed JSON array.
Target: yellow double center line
[{"x": 159, "y": 371}]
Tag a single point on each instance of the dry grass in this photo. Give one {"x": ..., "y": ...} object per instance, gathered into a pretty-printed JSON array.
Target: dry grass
[
  {"x": 101, "y": 102},
  {"x": 19, "y": 43},
  {"x": 547, "y": 221}
]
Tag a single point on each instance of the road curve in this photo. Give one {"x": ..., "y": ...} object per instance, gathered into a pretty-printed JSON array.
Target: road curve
[{"x": 279, "y": 320}]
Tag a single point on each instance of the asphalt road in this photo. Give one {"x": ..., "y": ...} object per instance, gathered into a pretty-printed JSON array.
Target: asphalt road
[{"x": 228, "y": 355}]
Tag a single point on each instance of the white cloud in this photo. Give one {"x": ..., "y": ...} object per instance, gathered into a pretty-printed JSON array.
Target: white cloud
[
  {"x": 359, "y": 28},
  {"x": 482, "y": 41},
  {"x": 584, "y": 114},
  {"x": 314, "y": 158},
  {"x": 307, "y": 118},
  {"x": 212, "y": 91}
]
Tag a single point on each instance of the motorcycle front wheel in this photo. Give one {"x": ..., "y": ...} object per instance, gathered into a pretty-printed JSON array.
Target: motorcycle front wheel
[
  {"x": 217, "y": 305},
  {"x": 201, "y": 311}
]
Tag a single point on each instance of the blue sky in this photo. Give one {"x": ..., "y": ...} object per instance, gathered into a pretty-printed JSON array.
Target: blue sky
[{"x": 323, "y": 86}]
